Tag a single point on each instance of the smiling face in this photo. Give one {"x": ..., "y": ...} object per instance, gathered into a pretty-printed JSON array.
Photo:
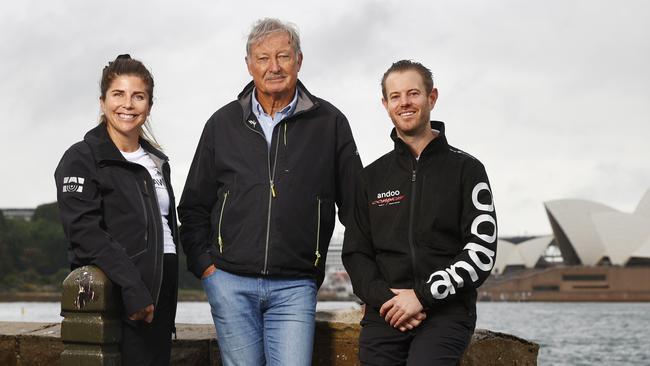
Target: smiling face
[
  {"x": 274, "y": 64},
  {"x": 408, "y": 103},
  {"x": 126, "y": 107}
]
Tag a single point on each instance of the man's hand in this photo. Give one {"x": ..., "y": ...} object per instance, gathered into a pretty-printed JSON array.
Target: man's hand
[
  {"x": 208, "y": 271},
  {"x": 400, "y": 311},
  {"x": 145, "y": 314},
  {"x": 413, "y": 322}
]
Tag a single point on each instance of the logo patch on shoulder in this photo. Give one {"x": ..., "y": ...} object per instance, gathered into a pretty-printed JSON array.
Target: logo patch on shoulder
[
  {"x": 73, "y": 184},
  {"x": 252, "y": 122},
  {"x": 388, "y": 198}
]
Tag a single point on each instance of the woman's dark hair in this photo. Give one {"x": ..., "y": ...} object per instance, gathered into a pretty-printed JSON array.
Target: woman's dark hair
[{"x": 125, "y": 65}]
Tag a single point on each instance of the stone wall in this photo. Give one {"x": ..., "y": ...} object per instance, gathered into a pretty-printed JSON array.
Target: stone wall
[
  {"x": 37, "y": 344},
  {"x": 91, "y": 330}
]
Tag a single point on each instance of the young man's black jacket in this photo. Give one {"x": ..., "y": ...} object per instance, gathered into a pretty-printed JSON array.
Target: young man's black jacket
[
  {"x": 252, "y": 209},
  {"x": 426, "y": 224},
  {"x": 110, "y": 215}
]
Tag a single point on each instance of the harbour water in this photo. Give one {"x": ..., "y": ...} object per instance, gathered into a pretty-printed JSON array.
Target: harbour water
[
  {"x": 568, "y": 333},
  {"x": 189, "y": 312},
  {"x": 575, "y": 333}
]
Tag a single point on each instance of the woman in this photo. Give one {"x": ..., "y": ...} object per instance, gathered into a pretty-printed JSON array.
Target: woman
[{"x": 117, "y": 208}]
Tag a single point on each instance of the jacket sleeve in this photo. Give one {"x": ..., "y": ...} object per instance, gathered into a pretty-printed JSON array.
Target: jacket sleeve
[
  {"x": 80, "y": 210},
  {"x": 359, "y": 256},
  {"x": 348, "y": 166},
  {"x": 478, "y": 225},
  {"x": 197, "y": 201}
]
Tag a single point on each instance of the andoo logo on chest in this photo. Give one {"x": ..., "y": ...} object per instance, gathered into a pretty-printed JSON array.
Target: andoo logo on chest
[{"x": 388, "y": 198}]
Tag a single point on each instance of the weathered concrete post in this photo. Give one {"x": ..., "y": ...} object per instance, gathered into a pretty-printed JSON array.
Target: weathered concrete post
[{"x": 91, "y": 328}]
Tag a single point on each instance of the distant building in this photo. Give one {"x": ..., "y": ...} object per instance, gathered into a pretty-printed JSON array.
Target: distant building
[
  {"x": 527, "y": 254},
  {"x": 590, "y": 233},
  {"x": 570, "y": 283},
  {"x": 584, "y": 234},
  {"x": 596, "y": 253},
  {"x": 336, "y": 284},
  {"x": 18, "y": 213},
  {"x": 334, "y": 262}
]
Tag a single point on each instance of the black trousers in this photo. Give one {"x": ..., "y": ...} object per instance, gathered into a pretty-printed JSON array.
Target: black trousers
[
  {"x": 438, "y": 340},
  {"x": 150, "y": 344}
]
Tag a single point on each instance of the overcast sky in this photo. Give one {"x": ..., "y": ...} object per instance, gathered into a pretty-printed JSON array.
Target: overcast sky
[{"x": 552, "y": 96}]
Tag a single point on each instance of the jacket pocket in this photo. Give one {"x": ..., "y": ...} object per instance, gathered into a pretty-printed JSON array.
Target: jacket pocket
[
  {"x": 324, "y": 226},
  {"x": 317, "y": 255},
  {"x": 221, "y": 213}
]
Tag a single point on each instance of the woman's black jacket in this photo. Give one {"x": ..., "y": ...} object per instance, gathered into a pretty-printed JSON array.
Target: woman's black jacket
[{"x": 110, "y": 215}]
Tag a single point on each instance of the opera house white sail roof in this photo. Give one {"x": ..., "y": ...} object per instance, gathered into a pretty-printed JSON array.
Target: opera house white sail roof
[
  {"x": 588, "y": 232},
  {"x": 643, "y": 251},
  {"x": 643, "y": 208},
  {"x": 507, "y": 255},
  {"x": 525, "y": 254}
]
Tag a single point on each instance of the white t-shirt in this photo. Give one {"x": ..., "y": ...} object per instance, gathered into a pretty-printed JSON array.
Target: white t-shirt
[{"x": 141, "y": 157}]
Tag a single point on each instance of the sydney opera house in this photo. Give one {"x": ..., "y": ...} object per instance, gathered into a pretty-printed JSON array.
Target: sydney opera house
[{"x": 596, "y": 253}]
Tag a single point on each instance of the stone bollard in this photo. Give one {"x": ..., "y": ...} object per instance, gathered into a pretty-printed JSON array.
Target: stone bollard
[{"x": 91, "y": 328}]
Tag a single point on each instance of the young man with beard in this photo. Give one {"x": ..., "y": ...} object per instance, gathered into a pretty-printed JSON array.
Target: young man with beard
[{"x": 423, "y": 234}]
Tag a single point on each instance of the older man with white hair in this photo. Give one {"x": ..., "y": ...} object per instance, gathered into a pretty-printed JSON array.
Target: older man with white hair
[{"x": 257, "y": 211}]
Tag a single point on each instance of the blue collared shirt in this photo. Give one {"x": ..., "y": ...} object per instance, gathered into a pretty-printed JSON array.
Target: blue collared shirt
[{"x": 267, "y": 122}]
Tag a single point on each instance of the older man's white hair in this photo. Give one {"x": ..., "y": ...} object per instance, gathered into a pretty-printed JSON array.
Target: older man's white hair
[{"x": 267, "y": 26}]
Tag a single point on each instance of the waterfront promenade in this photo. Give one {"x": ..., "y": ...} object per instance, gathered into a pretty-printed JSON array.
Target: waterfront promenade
[
  {"x": 90, "y": 332},
  {"x": 335, "y": 344}
]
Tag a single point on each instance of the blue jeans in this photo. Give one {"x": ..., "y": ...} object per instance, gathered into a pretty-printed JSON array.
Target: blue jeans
[{"x": 261, "y": 320}]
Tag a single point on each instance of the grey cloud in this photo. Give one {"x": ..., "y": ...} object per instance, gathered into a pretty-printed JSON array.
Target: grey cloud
[{"x": 551, "y": 96}]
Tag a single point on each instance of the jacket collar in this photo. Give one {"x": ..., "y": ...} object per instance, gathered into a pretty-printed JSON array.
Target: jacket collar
[
  {"x": 306, "y": 101},
  {"x": 104, "y": 149},
  {"x": 436, "y": 145}
]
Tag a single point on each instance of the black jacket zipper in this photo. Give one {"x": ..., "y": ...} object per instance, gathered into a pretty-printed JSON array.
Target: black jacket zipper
[
  {"x": 317, "y": 252},
  {"x": 272, "y": 192},
  {"x": 412, "y": 218},
  {"x": 223, "y": 207},
  {"x": 146, "y": 218},
  {"x": 148, "y": 182}
]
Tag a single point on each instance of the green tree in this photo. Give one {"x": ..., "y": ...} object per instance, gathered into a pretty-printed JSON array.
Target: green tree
[
  {"x": 6, "y": 263},
  {"x": 12, "y": 240},
  {"x": 48, "y": 212},
  {"x": 15, "y": 237},
  {"x": 33, "y": 254},
  {"x": 46, "y": 250}
]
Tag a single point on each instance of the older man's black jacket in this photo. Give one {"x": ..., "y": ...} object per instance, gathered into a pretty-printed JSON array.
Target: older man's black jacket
[
  {"x": 252, "y": 209},
  {"x": 426, "y": 224}
]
